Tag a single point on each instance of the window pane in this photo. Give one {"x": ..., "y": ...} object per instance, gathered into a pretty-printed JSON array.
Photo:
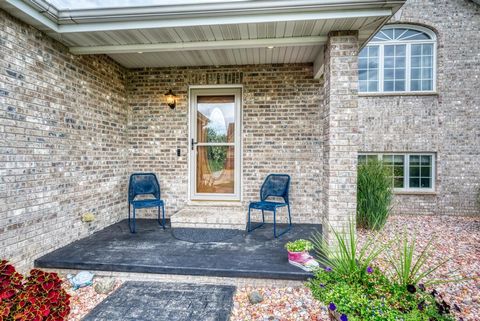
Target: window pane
[
  {"x": 427, "y": 85},
  {"x": 395, "y": 164},
  {"x": 363, "y": 86},
  {"x": 425, "y": 183},
  {"x": 426, "y": 160},
  {"x": 398, "y": 182},
  {"x": 414, "y": 182},
  {"x": 368, "y": 69},
  {"x": 362, "y": 159},
  {"x": 422, "y": 67},
  {"x": 373, "y": 86},
  {"x": 425, "y": 172},
  {"x": 414, "y": 160},
  {"x": 414, "y": 171},
  {"x": 416, "y": 85},
  {"x": 388, "y": 86},
  {"x": 420, "y": 171},
  {"x": 394, "y": 61}
]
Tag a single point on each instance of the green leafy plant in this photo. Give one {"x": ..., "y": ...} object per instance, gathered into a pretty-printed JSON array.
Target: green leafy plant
[
  {"x": 346, "y": 256},
  {"x": 39, "y": 297},
  {"x": 355, "y": 290},
  {"x": 299, "y": 246},
  {"x": 374, "y": 195},
  {"x": 410, "y": 268}
]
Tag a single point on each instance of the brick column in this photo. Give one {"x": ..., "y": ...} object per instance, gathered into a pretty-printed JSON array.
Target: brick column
[{"x": 340, "y": 131}]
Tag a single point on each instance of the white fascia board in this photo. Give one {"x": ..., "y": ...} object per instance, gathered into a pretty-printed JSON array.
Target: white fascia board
[
  {"x": 201, "y": 45},
  {"x": 223, "y": 20},
  {"x": 34, "y": 14},
  {"x": 217, "y": 7}
]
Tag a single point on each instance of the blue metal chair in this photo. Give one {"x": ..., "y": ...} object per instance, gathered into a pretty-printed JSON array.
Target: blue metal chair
[
  {"x": 144, "y": 184},
  {"x": 276, "y": 185}
]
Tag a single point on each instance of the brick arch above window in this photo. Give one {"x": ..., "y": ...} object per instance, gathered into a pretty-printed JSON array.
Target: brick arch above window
[{"x": 399, "y": 59}]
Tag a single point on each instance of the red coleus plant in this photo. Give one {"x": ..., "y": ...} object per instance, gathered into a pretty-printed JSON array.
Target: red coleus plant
[{"x": 39, "y": 297}]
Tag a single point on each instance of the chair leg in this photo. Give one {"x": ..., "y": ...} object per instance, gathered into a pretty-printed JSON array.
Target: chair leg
[
  {"x": 163, "y": 216},
  {"x": 274, "y": 223},
  {"x": 250, "y": 228},
  {"x": 132, "y": 230},
  {"x": 128, "y": 214}
]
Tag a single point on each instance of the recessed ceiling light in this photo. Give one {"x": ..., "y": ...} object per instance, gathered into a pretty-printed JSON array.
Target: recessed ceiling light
[
  {"x": 270, "y": 47},
  {"x": 140, "y": 52}
]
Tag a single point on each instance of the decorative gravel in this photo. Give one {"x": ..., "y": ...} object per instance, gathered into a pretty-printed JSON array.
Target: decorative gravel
[
  {"x": 455, "y": 237},
  {"x": 84, "y": 299}
]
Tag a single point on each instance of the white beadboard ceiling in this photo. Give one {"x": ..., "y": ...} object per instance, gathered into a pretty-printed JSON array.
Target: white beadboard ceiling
[{"x": 197, "y": 35}]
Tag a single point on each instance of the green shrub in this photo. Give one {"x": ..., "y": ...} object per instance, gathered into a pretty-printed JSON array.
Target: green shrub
[
  {"x": 354, "y": 288},
  {"x": 347, "y": 257},
  {"x": 411, "y": 268},
  {"x": 374, "y": 195}
]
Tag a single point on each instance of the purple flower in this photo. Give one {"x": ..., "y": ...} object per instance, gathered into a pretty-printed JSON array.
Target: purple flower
[
  {"x": 369, "y": 270},
  {"x": 322, "y": 285},
  {"x": 421, "y": 306},
  {"x": 332, "y": 306},
  {"x": 328, "y": 269},
  {"x": 411, "y": 288},
  {"x": 343, "y": 318},
  {"x": 421, "y": 286}
]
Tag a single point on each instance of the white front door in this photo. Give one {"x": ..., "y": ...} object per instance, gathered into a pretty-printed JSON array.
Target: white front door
[{"x": 215, "y": 144}]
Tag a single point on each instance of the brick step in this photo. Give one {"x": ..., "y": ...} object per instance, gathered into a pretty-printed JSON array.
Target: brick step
[{"x": 227, "y": 217}]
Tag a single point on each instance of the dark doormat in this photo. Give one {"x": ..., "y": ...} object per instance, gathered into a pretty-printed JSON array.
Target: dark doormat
[
  {"x": 156, "y": 301},
  {"x": 205, "y": 235}
]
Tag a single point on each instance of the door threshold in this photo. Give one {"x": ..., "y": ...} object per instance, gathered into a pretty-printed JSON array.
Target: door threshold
[{"x": 214, "y": 203}]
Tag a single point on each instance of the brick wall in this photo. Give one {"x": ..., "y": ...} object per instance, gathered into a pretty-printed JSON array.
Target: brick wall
[
  {"x": 62, "y": 143},
  {"x": 340, "y": 131},
  {"x": 447, "y": 123},
  {"x": 280, "y": 129}
]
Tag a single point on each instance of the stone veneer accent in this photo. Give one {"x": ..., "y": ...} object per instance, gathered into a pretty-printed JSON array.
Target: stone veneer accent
[
  {"x": 340, "y": 131},
  {"x": 281, "y": 129},
  {"x": 447, "y": 123},
  {"x": 62, "y": 143}
]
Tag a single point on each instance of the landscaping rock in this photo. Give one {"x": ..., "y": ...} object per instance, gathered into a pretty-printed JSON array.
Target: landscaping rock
[
  {"x": 255, "y": 297},
  {"x": 104, "y": 286}
]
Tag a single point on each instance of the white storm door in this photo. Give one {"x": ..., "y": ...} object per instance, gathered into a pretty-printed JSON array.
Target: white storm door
[{"x": 215, "y": 146}]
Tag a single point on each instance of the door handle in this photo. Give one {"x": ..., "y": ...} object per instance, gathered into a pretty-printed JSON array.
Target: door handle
[{"x": 193, "y": 143}]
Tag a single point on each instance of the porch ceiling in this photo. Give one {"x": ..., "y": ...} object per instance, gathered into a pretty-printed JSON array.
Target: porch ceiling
[{"x": 207, "y": 32}]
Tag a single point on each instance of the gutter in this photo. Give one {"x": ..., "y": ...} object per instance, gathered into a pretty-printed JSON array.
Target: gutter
[{"x": 210, "y": 9}]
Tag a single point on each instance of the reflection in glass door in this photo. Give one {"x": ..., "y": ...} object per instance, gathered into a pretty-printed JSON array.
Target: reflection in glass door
[{"x": 215, "y": 144}]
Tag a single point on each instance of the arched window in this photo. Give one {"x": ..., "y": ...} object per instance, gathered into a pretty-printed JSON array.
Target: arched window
[{"x": 399, "y": 58}]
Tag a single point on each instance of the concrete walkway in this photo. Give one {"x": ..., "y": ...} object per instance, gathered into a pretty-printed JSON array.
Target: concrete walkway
[{"x": 155, "y": 301}]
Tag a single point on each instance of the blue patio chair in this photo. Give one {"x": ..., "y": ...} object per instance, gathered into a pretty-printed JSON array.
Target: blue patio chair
[
  {"x": 144, "y": 184},
  {"x": 275, "y": 185}
]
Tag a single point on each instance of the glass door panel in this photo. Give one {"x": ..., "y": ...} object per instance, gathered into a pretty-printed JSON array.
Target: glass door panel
[{"x": 215, "y": 144}]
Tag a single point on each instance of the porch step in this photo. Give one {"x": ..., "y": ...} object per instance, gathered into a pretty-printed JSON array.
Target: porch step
[{"x": 224, "y": 217}]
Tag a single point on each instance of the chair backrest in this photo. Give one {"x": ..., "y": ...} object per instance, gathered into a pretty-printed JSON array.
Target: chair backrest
[
  {"x": 142, "y": 184},
  {"x": 276, "y": 185}
]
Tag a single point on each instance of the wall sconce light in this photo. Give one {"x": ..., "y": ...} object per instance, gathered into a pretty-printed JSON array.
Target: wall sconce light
[{"x": 171, "y": 102}]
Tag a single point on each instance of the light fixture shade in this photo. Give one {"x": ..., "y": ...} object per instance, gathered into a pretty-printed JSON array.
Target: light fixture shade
[{"x": 171, "y": 101}]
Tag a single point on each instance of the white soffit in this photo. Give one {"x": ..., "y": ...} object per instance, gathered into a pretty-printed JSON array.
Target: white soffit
[{"x": 208, "y": 32}]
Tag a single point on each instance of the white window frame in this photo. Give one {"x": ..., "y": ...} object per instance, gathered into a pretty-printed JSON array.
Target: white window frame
[
  {"x": 408, "y": 58},
  {"x": 406, "y": 171}
]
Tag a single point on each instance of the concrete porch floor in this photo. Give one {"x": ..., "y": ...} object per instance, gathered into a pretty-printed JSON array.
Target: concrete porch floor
[{"x": 153, "y": 250}]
